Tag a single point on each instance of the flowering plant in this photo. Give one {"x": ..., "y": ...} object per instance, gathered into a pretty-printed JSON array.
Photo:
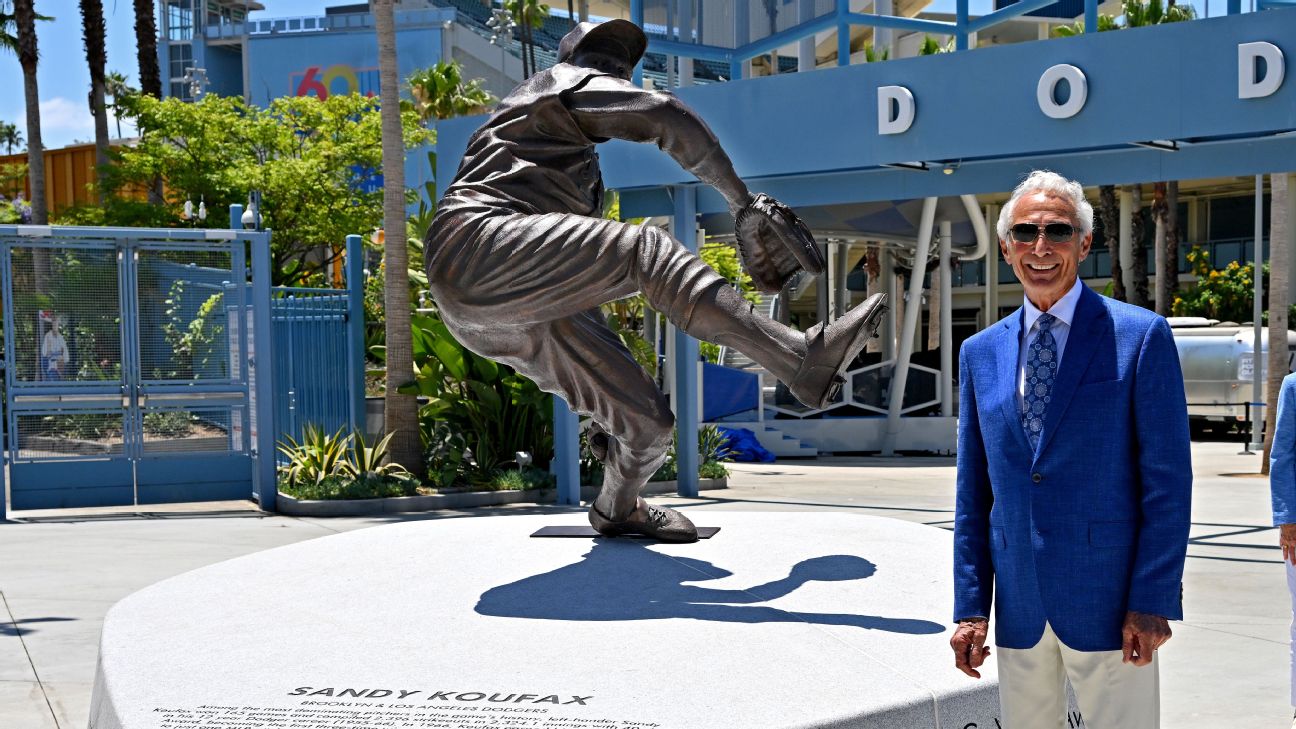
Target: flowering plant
[{"x": 16, "y": 211}]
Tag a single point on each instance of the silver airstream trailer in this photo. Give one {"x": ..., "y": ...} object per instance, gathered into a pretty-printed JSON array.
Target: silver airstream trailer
[{"x": 1218, "y": 365}]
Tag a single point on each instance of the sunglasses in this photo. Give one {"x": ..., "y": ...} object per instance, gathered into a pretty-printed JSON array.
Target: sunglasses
[{"x": 1053, "y": 232}]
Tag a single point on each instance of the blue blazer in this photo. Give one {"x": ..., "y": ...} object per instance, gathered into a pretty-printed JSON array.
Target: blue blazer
[
  {"x": 1094, "y": 523},
  {"x": 1282, "y": 455}
]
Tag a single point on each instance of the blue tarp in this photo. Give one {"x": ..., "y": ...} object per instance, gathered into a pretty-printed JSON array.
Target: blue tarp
[
  {"x": 745, "y": 447},
  {"x": 727, "y": 391}
]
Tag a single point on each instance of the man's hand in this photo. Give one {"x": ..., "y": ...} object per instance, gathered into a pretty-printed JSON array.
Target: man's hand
[
  {"x": 969, "y": 646},
  {"x": 1287, "y": 540},
  {"x": 1141, "y": 636}
]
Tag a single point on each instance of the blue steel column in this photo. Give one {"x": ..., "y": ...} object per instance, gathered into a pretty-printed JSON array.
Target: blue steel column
[
  {"x": 1234, "y": 7},
  {"x": 685, "y": 396},
  {"x": 843, "y": 33},
  {"x": 961, "y": 34},
  {"x": 566, "y": 464},
  {"x": 6, "y": 299},
  {"x": 637, "y": 17},
  {"x": 8, "y": 307},
  {"x": 356, "y": 329},
  {"x": 4, "y": 458},
  {"x": 1091, "y": 16},
  {"x": 263, "y": 477},
  {"x": 742, "y": 39}
]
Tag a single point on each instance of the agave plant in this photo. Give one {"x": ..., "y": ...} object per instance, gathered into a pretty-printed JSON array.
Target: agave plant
[
  {"x": 363, "y": 462},
  {"x": 318, "y": 456}
]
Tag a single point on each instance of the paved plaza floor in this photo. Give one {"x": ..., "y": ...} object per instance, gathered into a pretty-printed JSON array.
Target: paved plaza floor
[{"x": 1227, "y": 665}]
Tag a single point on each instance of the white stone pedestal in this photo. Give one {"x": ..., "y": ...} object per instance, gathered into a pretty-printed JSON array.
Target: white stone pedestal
[{"x": 782, "y": 620}]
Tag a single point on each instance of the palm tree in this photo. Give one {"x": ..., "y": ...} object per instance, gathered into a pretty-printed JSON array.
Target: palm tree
[
  {"x": 930, "y": 47},
  {"x": 10, "y": 136},
  {"x": 115, "y": 85},
  {"x": 1139, "y": 296},
  {"x": 146, "y": 37},
  {"x": 1165, "y": 210},
  {"x": 150, "y": 76},
  {"x": 1279, "y": 300},
  {"x": 440, "y": 92},
  {"x": 871, "y": 54},
  {"x": 1110, "y": 215},
  {"x": 401, "y": 411},
  {"x": 529, "y": 14},
  {"x": 24, "y": 14},
  {"x": 92, "y": 28},
  {"x": 1159, "y": 249}
]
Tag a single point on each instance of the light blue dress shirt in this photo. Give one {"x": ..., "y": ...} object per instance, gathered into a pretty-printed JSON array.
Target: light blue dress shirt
[
  {"x": 1282, "y": 455},
  {"x": 1064, "y": 312}
]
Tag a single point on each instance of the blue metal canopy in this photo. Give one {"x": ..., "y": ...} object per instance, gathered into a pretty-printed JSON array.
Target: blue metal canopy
[{"x": 812, "y": 138}]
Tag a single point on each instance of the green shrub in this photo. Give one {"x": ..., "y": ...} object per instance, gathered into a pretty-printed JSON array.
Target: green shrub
[
  {"x": 169, "y": 423},
  {"x": 712, "y": 469},
  {"x": 346, "y": 487},
  {"x": 1226, "y": 293},
  {"x": 520, "y": 480},
  {"x": 473, "y": 405}
]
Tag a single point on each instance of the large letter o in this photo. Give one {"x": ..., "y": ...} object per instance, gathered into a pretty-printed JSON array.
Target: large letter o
[{"x": 1048, "y": 83}]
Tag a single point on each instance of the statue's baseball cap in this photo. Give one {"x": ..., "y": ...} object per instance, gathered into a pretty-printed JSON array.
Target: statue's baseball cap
[{"x": 612, "y": 35}]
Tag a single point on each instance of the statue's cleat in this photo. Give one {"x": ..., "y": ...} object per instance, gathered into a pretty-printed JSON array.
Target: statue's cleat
[
  {"x": 654, "y": 522},
  {"x": 830, "y": 350}
]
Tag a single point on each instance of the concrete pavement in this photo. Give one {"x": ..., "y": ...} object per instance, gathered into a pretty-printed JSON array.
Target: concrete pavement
[{"x": 1227, "y": 665}]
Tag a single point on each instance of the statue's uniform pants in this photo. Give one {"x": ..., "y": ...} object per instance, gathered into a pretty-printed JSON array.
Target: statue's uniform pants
[{"x": 525, "y": 290}]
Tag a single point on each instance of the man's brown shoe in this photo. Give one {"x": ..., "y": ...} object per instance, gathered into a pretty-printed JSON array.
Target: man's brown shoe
[
  {"x": 654, "y": 522},
  {"x": 830, "y": 350}
]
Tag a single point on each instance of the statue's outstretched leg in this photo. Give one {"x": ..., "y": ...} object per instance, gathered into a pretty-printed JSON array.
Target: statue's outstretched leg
[{"x": 706, "y": 307}]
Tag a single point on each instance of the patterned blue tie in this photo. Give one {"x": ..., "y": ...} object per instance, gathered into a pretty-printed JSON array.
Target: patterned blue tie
[{"x": 1041, "y": 369}]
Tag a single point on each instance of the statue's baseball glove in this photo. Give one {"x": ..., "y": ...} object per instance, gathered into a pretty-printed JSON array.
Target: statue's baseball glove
[{"x": 774, "y": 243}]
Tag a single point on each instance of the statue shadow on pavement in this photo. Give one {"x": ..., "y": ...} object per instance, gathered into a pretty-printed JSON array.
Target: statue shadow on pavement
[{"x": 620, "y": 580}]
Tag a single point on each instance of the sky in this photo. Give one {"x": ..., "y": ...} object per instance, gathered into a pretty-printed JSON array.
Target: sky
[{"x": 65, "y": 81}]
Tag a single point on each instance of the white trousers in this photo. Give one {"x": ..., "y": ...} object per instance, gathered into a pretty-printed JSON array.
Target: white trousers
[
  {"x": 1110, "y": 694},
  {"x": 1291, "y": 587}
]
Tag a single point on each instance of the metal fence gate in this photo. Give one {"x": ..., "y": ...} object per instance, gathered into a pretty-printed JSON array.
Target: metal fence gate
[
  {"x": 134, "y": 369},
  {"x": 319, "y": 353}
]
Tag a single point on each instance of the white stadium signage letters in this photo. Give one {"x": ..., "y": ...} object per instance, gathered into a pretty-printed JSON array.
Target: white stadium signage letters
[
  {"x": 896, "y": 109},
  {"x": 1251, "y": 84},
  {"x": 1046, "y": 91}
]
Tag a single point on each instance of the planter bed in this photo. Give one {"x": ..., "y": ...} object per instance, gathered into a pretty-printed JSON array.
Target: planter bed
[{"x": 454, "y": 499}]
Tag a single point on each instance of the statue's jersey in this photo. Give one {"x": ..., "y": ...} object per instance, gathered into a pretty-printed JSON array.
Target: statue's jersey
[{"x": 536, "y": 155}]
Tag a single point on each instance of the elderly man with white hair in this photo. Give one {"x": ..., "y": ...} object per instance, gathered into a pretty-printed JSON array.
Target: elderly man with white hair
[{"x": 1074, "y": 482}]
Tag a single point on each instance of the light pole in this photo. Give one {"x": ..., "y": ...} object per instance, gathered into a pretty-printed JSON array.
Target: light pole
[
  {"x": 198, "y": 82},
  {"x": 252, "y": 215},
  {"x": 502, "y": 26}
]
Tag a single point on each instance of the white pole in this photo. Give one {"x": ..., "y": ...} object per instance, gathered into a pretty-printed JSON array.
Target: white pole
[
  {"x": 841, "y": 296},
  {"x": 889, "y": 319},
  {"x": 946, "y": 322},
  {"x": 1257, "y": 313},
  {"x": 1127, "y": 240},
  {"x": 900, "y": 376}
]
